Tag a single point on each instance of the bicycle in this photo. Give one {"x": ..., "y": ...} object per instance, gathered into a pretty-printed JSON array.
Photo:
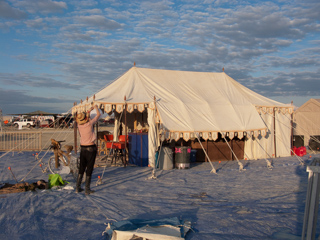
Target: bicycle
[{"x": 63, "y": 162}]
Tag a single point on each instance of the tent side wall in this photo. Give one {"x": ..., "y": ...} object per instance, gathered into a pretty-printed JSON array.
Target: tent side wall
[
  {"x": 271, "y": 145},
  {"x": 306, "y": 122},
  {"x": 283, "y": 134}
]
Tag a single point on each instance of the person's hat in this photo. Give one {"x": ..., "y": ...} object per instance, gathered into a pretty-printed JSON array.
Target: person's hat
[{"x": 82, "y": 118}]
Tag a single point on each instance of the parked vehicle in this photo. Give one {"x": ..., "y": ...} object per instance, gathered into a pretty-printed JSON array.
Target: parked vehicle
[
  {"x": 65, "y": 122},
  {"x": 23, "y": 123},
  {"x": 48, "y": 123}
]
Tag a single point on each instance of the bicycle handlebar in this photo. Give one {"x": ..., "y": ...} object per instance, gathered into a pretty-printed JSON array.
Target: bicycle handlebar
[{"x": 55, "y": 143}]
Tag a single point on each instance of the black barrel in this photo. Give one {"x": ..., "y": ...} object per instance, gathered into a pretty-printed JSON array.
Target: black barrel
[
  {"x": 314, "y": 143},
  {"x": 182, "y": 157}
]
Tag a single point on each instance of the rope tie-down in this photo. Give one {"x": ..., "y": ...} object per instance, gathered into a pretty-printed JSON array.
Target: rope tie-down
[
  {"x": 99, "y": 181},
  {"x": 241, "y": 168}
]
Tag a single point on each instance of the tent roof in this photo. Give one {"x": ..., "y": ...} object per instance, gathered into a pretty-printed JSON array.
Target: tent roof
[
  {"x": 312, "y": 105},
  {"x": 307, "y": 119},
  {"x": 188, "y": 101}
]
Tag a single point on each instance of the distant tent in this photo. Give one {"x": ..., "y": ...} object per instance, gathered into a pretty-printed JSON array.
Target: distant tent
[
  {"x": 307, "y": 124},
  {"x": 185, "y": 105},
  {"x": 37, "y": 113}
]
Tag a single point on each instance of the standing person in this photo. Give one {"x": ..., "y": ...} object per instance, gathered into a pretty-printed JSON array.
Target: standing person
[{"x": 88, "y": 146}]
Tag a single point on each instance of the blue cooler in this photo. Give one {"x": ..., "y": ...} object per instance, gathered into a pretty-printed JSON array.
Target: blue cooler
[{"x": 193, "y": 156}]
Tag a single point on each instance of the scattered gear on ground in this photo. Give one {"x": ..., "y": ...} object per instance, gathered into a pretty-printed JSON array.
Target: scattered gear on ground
[{"x": 6, "y": 188}]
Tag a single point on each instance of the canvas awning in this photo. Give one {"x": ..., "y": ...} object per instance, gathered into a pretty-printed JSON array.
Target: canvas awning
[{"x": 188, "y": 102}]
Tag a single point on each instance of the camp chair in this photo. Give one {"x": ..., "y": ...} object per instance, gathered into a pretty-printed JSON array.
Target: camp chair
[
  {"x": 108, "y": 139},
  {"x": 102, "y": 142},
  {"x": 121, "y": 148},
  {"x": 118, "y": 148},
  {"x": 110, "y": 146}
]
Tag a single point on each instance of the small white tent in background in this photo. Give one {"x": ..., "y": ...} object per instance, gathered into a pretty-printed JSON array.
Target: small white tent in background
[
  {"x": 307, "y": 124},
  {"x": 185, "y": 104}
]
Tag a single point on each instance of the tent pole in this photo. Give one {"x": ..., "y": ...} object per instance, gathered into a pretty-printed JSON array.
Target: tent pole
[
  {"x": 97, "y": 130},
  {"x": 75, "y": 126},
  {"x": 274, "y": 132},
  {"x": 231, "y": 147},
  {"x": 213, "y": 169},
  {"x": 125, "y": 130},
  {"x": 207, "y": 147},
  {"x": 292, "y": 127},
  {"x": 301, "y": 161},
  {"x": 156, "y": 161},
  {"x": 239, "y": 163}
]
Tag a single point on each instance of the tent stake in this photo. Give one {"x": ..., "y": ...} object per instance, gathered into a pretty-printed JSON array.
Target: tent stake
[
  {"x": 239, "y": 163},
  {"x": 269, "y": 164},
  {"x": 213, "y": 169}
]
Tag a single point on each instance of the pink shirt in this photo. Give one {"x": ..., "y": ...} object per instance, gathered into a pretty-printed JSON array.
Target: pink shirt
[{"x": 86, "y": 131}]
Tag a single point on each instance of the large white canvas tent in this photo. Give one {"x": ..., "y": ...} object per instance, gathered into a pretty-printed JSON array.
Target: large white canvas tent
[
  {"x": 307, "y": 122},
  {"x": 185, "y": 104}
]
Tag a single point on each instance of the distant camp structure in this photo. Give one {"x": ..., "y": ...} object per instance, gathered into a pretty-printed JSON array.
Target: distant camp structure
[{"x": 306, "y": 131}]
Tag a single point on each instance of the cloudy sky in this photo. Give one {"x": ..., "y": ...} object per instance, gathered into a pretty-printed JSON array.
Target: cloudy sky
[{"x": 53, "y": 53}]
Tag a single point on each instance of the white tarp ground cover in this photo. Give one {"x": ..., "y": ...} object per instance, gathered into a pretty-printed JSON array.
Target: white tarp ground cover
[{"x": 254, "y": 204}]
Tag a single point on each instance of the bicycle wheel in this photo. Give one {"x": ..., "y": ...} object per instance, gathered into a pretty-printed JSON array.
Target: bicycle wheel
[
  {"x": 62, "y": 168},
  {"x": 74, "y": 166}
]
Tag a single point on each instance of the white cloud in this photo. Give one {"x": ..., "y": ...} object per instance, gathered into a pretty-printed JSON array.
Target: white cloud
[
  {"x": 98, "y": 21},
  {"x": 264, "y": 45},
  {"x": 27, "y": 79},
  {"x": 9, "y": 12},
  {"x": 42, "y": 6},
  {"x": 36, "y": 23}
]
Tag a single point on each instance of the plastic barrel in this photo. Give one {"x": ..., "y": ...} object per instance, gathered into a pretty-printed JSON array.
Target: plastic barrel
[
  {"x": 182, "y": 157},
  {"x": 165, "y": 159}
]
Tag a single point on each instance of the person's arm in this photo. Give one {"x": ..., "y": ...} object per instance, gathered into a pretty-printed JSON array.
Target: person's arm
[
  {"x": 96, "y": 118},
  {"x": 97, "y": 110}
]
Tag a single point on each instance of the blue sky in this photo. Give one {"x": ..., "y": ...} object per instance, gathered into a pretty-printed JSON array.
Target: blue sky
[{"x": 54, "y": 53}]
